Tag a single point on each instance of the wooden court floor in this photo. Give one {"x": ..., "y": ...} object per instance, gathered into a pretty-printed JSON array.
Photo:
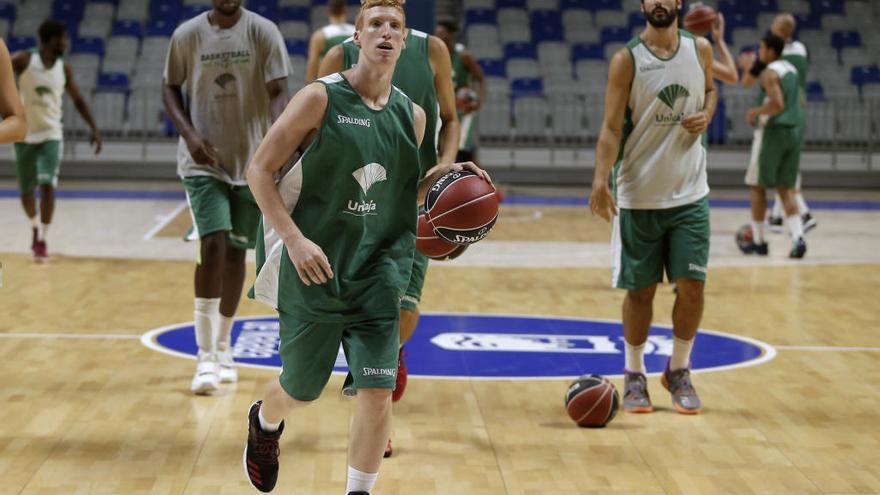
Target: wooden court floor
[{"x": 86, "y": 409}]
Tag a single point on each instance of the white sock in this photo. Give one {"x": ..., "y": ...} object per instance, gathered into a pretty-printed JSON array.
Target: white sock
[
  {"x": 796, "y": 227},
  {"x": 758, "y": 231},
  {"x": 206, "y": 315},
  {"x": 803, "y": 209},
  {"x": 634, "y": 356},
  {"x": 44, "y": 231},
  {"x": 681, "y": 353},
  {"x": 34, "y": 222},
  {"x": 359, "y": 481},
  {"x": 265, "y": 425},
  {"x": 224, "y": 330},
  {"x": 777, "y": 208}
]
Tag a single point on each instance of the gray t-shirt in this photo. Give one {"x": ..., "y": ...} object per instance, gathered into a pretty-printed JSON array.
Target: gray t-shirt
[{"x": 223, "y": 74}]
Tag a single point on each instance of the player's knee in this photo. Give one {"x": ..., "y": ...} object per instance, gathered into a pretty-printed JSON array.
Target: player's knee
[
  {"x": 235, "y": 255},
  {"x": 642, "y": 296},
  {"x": 690, "y": 290},
  {"x": 213, "y": 248},
  {"x": 376, "y": 400}
]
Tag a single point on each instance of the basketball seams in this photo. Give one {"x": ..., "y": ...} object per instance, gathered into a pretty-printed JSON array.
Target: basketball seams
[
  {"x": 475, "y": 200},
  {"x": 608, "y": 388},
  {"x": 429, "y": 207}
]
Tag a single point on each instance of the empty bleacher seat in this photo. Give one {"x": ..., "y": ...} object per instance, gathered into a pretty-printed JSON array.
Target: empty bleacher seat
[
  {"x": 615, "y": 34},
  {"x": 70, "y": 11},
  {"x": 844, "y": 39},
  {"x": 543, "y": 5},
  {"x": 519, "y": 50},
  {"x": 480, "y": 16},
  {"x": 127, "y": 27},
  {"x": 16, "y": 43},
  {"x": 88, "y": 45},
  {"x": 8, "y": 11},
  {"x": 190, "y": 11},
  {"x": 136, "y": 10},
  {"x": 546, "y": 26},
  {"x": 587, "y": 51},
  {"x": 297, "y": 47},
  {"x": 165, "y": 10},
  {"x": 160, "y": 27},
  {"x": 516, "y": 4},
  {"x": 493, "y": 68},
  {"x": 527, "y": 87},
  {"x": 112, "y": 81},
  {"x": 294, "y": 13},
  {"x": 530, "y": 115},
  {"x": 294, "y": 29}
]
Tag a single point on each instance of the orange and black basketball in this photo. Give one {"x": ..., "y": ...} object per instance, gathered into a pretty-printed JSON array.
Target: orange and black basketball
[
  {"x": 699, "y": 19},
  {"x": 744, "y": 238},
  {"x": 432, "y": 245},
  {"x": 592, "y": 401},
  {"x": 462, "y": 207}
]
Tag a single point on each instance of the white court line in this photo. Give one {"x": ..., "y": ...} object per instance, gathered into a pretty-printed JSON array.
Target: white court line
[
  {"x": 165, "y": 220},
  {"x": 72, "y": 336},
  {"x": 826, "y": 348}
]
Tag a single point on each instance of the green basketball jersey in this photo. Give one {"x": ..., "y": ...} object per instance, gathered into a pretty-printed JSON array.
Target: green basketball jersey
[
  {"x": 335, "y": 34},
  {"x": 353, "y": 193},
  {"x": 792, "y": 114},
  {"x": 413, "y": 75},
  {"x": 796, "y": 54},
  {"x": 460, "y": 75}
]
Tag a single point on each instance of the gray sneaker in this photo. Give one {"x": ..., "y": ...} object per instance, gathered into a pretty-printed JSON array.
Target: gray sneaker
[
  {"x": 636, "y": 398},
  {"x": 684, "y": 397}
]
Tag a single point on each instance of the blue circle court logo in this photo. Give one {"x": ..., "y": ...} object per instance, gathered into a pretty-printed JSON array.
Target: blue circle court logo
[{"x": 494, "y": 347}]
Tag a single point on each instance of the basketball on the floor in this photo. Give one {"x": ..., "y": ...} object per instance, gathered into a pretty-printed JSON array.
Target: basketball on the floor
[
  {"x": 432, "y": 245},
  {"x": 699, "y": 19},
  {"x": 592, "y": 401},
  {"x": 462, "y": 207},
  {"x": 744, "y": 237}
]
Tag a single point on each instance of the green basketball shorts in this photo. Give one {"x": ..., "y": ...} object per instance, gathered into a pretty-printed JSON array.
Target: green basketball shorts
[
  {"x": 647, "y": 242},
  {"x": 37, "y": 164},
  {"x": 217, "y": 207},
  {"x": 309, "y": 351},
  {"x": 413, "y": 295}
]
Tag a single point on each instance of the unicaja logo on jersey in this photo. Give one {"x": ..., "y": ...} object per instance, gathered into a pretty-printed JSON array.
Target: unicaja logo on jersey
[
  {"x": 366, "y": 176},
  {"x": 43, "y": 91},
  {"x": 224, "y": 79},
  {"x": 669, "y": 95}
]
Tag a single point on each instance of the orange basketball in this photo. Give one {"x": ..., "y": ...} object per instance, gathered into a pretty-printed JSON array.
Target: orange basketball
[
  {"x": 462, "y": 207},
  {"x": 699, "y": 19},
  {"x": 592, "y": 401},
  {"x": 432, "y": 245}
]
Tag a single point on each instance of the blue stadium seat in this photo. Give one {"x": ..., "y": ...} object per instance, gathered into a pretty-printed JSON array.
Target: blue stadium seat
[
  {"x": 517, "y": 4},
  {"x": 127, "y": 28},
  {"x": 574, "y": 4},
  {"x": 88, "y": 45},
  {"x": 546, "y": 26},
  {"x": 815, "y": 91},
  {"x": 112, "y": 81},
  {"x": 480, "y": 16},
  {"x": 826, "y": 6},
  {"x": 269, "y": 10},
  {"x": 597, "y": 5},
  {"x": 771, "y": 6},
  {"x": 526, "y": 87},
  {"x": 7, "y": 11},
  {"x": 161, "y": 27},
  {"x": 520, "y": 50},
  {"x": 808, "y": 21},
  {"x": 747, "y": 20},
  {"x": 293, "y": 13},
  {"x": 845, "y": 39},
  {"x": 70, "y": 11},
  {"x": 297, "y": 47},
  {"x": 190, "y": 11},
  {"x": 615, "y": 35},
  {"x": 583, "y": 51},
  {"x": 16, "y": 43},
  {"x": 165, "y": 10},
  {"x": 635, "y": 19},
  {"x": 865, "y": 74},
  {"x": 493, "y": 67}
]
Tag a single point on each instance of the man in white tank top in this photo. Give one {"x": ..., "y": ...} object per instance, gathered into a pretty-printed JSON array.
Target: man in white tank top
[
  {"x": 660, "y": 99},
  {"x": 43, "y": 77},
  {"x": 334, "y": 33}
]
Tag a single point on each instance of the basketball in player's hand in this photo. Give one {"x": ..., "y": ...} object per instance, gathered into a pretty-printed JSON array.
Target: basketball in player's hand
[
  {"x": 461, "y": 207},
  {"x": 432, "y": 245},
  {"x": 699, "y": 19}
]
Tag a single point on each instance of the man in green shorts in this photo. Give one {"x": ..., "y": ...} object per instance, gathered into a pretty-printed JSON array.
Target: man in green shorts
[
  {"x": 660, "y": 98},
  {"x": 232, "y": 66},
  {"x": 424, "y": 73},
  {"x": 43, "y": 78},
  {"x": 777, "y": 147},
  {"x": 466, "y": 74},
  {"x": 338, "y": 241}
]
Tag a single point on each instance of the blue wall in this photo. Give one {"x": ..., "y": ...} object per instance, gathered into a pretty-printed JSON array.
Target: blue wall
[{"x": 420, "y": 15}]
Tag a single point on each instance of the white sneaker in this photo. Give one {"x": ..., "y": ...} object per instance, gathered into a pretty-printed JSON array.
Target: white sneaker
[
  {"x": 206, "y": 381},
  {"x": 226, "y": 364}
]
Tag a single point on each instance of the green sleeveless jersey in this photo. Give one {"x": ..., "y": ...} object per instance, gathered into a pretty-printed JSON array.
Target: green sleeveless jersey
[
  {"x": 792, "y": 114},
  {"x": 460, "y": 75},
  {"x": 353, "y": 193},
  {"x": 335, "y": 34},
  {"x": 413, "y": 75},
  {"x": 796, "y": 53}
]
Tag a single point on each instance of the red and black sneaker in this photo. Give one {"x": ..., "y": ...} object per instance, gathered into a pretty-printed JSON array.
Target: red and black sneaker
[
  {"x": 388, "y": 450},
  {"x": 41, "y": 252},
  {"x": 261, "y": 452},
  {"x": 400, "y": 386}
]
